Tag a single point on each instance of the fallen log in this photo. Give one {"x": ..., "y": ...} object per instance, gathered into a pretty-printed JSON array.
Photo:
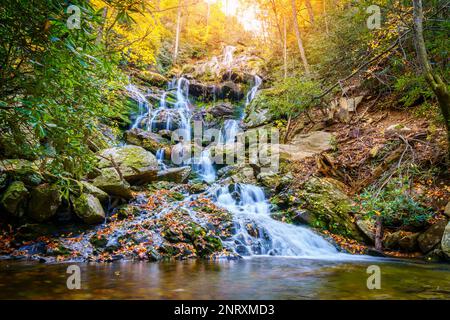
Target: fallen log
[{"x": 379, "y": 170}]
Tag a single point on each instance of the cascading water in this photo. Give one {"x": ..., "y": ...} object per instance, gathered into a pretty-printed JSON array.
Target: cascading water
[
  {"x": 229, "y": 132},
  {"x": 254, "y": 90},
  {"x": 160, "y": 154},
  {"x": 257, "y": 233},
  {"x": 205, "y": 167},
  {"x": 228, "y": 56},
  {"x": 143, "y": 104}
]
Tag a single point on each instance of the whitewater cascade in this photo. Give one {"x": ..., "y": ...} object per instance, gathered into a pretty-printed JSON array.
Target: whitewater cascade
[
  {"x": 255, "y": 231},
  {"x": 143, "y": 104}
]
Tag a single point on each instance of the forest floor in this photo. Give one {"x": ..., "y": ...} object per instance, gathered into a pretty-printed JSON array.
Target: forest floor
[{"x": 376, "y": 144}]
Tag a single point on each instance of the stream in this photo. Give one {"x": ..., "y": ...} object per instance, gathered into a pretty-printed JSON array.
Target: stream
[{"x": 255, "y": 278}]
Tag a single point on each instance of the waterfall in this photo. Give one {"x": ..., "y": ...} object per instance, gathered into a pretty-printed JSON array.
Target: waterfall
[
  {"x": 254, "y": 90},
  {"x": 257, "y": 233},
  {"x": 228, "y": 56},
  {"x": 229, "y": 132},
  {"x": 160, "y": 158},
  {"x": 205, "y": 167},
  {"x": 143, "y": 104}
]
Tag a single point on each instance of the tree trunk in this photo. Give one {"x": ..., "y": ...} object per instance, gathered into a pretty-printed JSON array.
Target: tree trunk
[
  {"x": 99, "y": 38},
  {"x": 285, "y": 48},
  {"x": 299, "y": 38},
  {"x": 177, "y": 35},
  {"x": 275, "y": 12},
  {"x": 434, "y": 80},
  {"x": 325, "y": 14},
  {"x": 379, "y": 234},
  {"x": 310, "y": 11}
]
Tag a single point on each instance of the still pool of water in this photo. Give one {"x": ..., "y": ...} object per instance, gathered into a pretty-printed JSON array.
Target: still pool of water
[{"x": 256, "y": 278}]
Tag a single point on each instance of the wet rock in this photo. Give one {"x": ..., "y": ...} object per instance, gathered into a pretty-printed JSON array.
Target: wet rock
[
  {"x": 146, "y": 139},
  {"x": 226, "y": 154},
  {"x": 152, "y": 78},
  {"x": 89, "y": 209},
  {"x": 14, "y": 199},
  {"x": 96, "y": 192},
  {"x": 436, "y": 255},
  {"x": 391, "y": 240},
  {"x": 45, "y": 200},
  {"x": 32, "y": 231},
  {"x": 21, "y": 170},
  {"x": 197, "y": 188},
  {"x": 432, "y": 236},
  {"x": 166, "y": 134},
  {"x": 409, "y": 242},
  {"x": 231, "y": 91},
  {"x": 202, "y": 91},
  {"x": 331, "y": 207},
  {"x": 110, "y": 182},
  {"x": 269, "y": 180},
  {"x": 98, "y": 241},
  {"x": 136, "y": 165},
  {"x": 243, "y": 174},
  {"x": 447, "y": 210},
  {"x": 101, "y": 138},
  {"x": 303, "y": 217},
  {"x": 445, "y": 242},
  {"x": 366, "y": 227},
  {"x": 222, "y": 110},
  {"x": 258, "y": 111},
  {"x": 165, "y": 120},
  {"x": 177, "y": 175}
]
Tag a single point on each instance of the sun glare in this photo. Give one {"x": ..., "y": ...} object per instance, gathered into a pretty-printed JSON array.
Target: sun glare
[{"x": 247, "y": 16}]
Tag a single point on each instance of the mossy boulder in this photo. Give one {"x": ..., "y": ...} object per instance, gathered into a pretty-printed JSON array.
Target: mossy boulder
[
  {"x": 445, "y": 242},
  {"x": 21, "y": 170},
  {"x": 331, "y": 207},
  {"x": 44, "y": 202},
  {"x": 14, "y": 199},
  {"x": 432, "y": 236},
  {"x": 110, "y": 182},
  {"x": 89, "y": 209},
  {"x": 96, "y": 192},
  {"x": 148, "y": 140},
  {"x": 177, "y": 175},
  {"x": 137, "y": 165},
  {"x": 258, "y": 111},
  {"x": 152, "y": 78}
]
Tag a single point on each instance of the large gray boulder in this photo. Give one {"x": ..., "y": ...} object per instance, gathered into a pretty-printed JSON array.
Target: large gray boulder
[
  {"x": 110, "y": 182},
  {"x": 332, "y": 209},
  {"x": 96, "y": 192},
  {"x": 89, "y": 209},
  {"x": 14, "y": 199},
  {"x": 258, "y": 111},
  {"x": 44, "y": 202},
  {"x": 432, "y": 236},
  {"x": 177, "y": 175},
  {"x": 146, "y": 139},
  {"x": 222, "y": 110},
  {"x": 445, "y": 242},
  {"x": 22, "y": 170},
  {"x": 306, "y": 145},
  {"x": 136, "y": 165}
]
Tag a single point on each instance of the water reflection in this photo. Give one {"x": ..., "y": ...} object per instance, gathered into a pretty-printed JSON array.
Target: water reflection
[{"x": 256, "y": 278}]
